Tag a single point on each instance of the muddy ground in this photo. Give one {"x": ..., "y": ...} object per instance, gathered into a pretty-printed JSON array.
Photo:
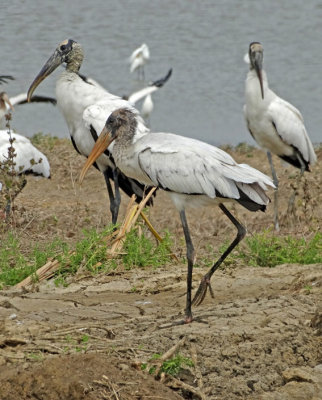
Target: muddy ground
[{"x": 260, "y": 338}]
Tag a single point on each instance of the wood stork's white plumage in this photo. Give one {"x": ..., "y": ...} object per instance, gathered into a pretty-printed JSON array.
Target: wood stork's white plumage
[
  {"x": 194, "y": 173},
  {"x": 28, "y": 159},
  {"x": 139, "y": 58},
  {"x": 276, "y": 125},
  {"x": 7, "y": 104},
  {"x": 85, "y": 107}
]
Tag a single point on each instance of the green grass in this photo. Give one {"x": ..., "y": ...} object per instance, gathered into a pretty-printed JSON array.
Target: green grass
[
  {"x": 89, "y": 253},
  {"x": 173, "y": 366},
  {"x": 140, "y": 251},
  {"x": 267, "y": 250}
]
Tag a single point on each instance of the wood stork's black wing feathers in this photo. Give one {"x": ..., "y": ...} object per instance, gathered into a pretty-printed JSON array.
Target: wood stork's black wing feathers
[
  {"x": 22, "y": 99},
  {"x": 4, "y": 78}
]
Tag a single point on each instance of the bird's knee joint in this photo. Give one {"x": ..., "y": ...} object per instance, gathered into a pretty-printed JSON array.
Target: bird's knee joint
[{"x": 241, "y": 233}]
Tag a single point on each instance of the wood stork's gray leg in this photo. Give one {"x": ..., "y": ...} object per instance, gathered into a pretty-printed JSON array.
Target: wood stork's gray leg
[
  {"x": 117, "y": 198},
  {"x": 275, "y": 180},
  {"x": 113, "y": 203},
  {"x": 290, "y": 207},
  {"x": 190, "y": 258},
  {"x": 205, "y": 282}
]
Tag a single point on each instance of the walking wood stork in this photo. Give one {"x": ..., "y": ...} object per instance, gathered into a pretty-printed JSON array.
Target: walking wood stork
[
  {"x": 276, "y": 125},
  {"x": 85, "y": 107},
  {"x": 138, "y": 59},
  {"x": 7, "y": 104},
  {"x": 194, "y": 174}
]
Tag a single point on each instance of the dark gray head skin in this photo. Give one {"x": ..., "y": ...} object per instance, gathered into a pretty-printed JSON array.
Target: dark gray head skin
[
  {"x": 122, "y": 121},
  {"x": 69, "y": 52},
  {"x": 256, "y": 61},
  {"x": 121, "y": 126}
]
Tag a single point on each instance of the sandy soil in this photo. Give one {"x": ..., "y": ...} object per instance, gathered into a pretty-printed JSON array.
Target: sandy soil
[{"x": 260, "y": 338}]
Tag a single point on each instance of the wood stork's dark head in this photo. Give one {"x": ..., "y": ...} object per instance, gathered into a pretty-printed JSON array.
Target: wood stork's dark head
[
  {"x": 69, "y": 52},
  {"x": 4, "y": 98},
  {"x": 256, "y": 61},
  {"x": 121, "y": 123}
]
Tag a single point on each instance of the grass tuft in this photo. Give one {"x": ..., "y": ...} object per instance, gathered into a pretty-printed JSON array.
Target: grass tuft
[
  {"x": 140, "y": 251},
  {"x": 267, "y": 250}
]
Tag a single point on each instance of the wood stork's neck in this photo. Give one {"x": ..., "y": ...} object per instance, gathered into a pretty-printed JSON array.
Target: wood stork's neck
[
  {"x": 253, "y": 86},
  {"x": 75, "y": 60}
]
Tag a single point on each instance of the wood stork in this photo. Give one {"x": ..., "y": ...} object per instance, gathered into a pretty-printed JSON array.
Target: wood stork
[
  {"x": 276, "y": 125},
  {"x": 145, "y": 93},
  {"x": 194, "y": 174},
  {"x": 7, "y": 104},
  {"x": 139, "y": 58},
  {"x": 85, "y": 107},
  {"x": 27, "y": 159}
]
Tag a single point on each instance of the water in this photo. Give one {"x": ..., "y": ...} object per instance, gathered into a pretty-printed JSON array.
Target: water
[{"x": 203, "y": 41}]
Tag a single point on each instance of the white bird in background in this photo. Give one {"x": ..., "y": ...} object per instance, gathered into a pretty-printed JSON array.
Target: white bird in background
[
  {"x": 275, "y": 124},
  {"x": 7, "y": 104},
  {"x": 194, "y": 174},
  {"x": 138, "y": 59},
  {"x": 27, "y": 159},
  {"x": 85, "y": 107},
  {"x": 145, "y": 93}
]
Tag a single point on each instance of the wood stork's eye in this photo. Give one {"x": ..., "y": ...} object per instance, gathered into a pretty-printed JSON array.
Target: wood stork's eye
[
  {"x": 111, "y": 119},
  {"x": 63, "y": 47}
]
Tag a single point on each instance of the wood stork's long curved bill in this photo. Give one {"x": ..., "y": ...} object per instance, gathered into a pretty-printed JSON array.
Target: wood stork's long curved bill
[
  {"x": 54, "y": 61},
  {"x": 256, "y": 59},
  {"x": 102, "y": 143}
]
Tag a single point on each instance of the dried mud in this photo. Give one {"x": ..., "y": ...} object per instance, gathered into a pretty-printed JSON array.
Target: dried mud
[{"x": 260, "y": 338}]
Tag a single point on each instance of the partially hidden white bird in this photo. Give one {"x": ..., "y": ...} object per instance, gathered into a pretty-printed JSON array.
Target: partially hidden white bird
[
  {"x": 7, "y": 104},
  {"x": 27, "y": 159},
  {"x": 145, "y": 93},
  {"x": 85, "y": 106},
  {"x": 138, "y": 59},
  {"x": 194, "y": 174},
  {"x": 276, "y": 125}
]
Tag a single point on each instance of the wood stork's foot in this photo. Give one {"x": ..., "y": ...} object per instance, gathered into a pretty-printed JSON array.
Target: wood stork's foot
[
  {"x": 202, "y": 291},
  {"x": 185, "y": 321}
]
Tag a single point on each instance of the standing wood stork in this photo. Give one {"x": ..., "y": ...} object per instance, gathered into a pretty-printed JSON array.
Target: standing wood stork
[
  {"x": 138, "y": 59},
  {"x": 85, "y": 107},
  {"x": 194, "y": 174},
  {"x": 145, "y": 93},
  {"x": 7, "y": 104},
  {"x": 276, "y": 125}
]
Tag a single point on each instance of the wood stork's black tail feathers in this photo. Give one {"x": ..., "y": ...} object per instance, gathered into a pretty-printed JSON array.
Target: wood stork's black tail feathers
[{"x": 296, "y": 162}]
